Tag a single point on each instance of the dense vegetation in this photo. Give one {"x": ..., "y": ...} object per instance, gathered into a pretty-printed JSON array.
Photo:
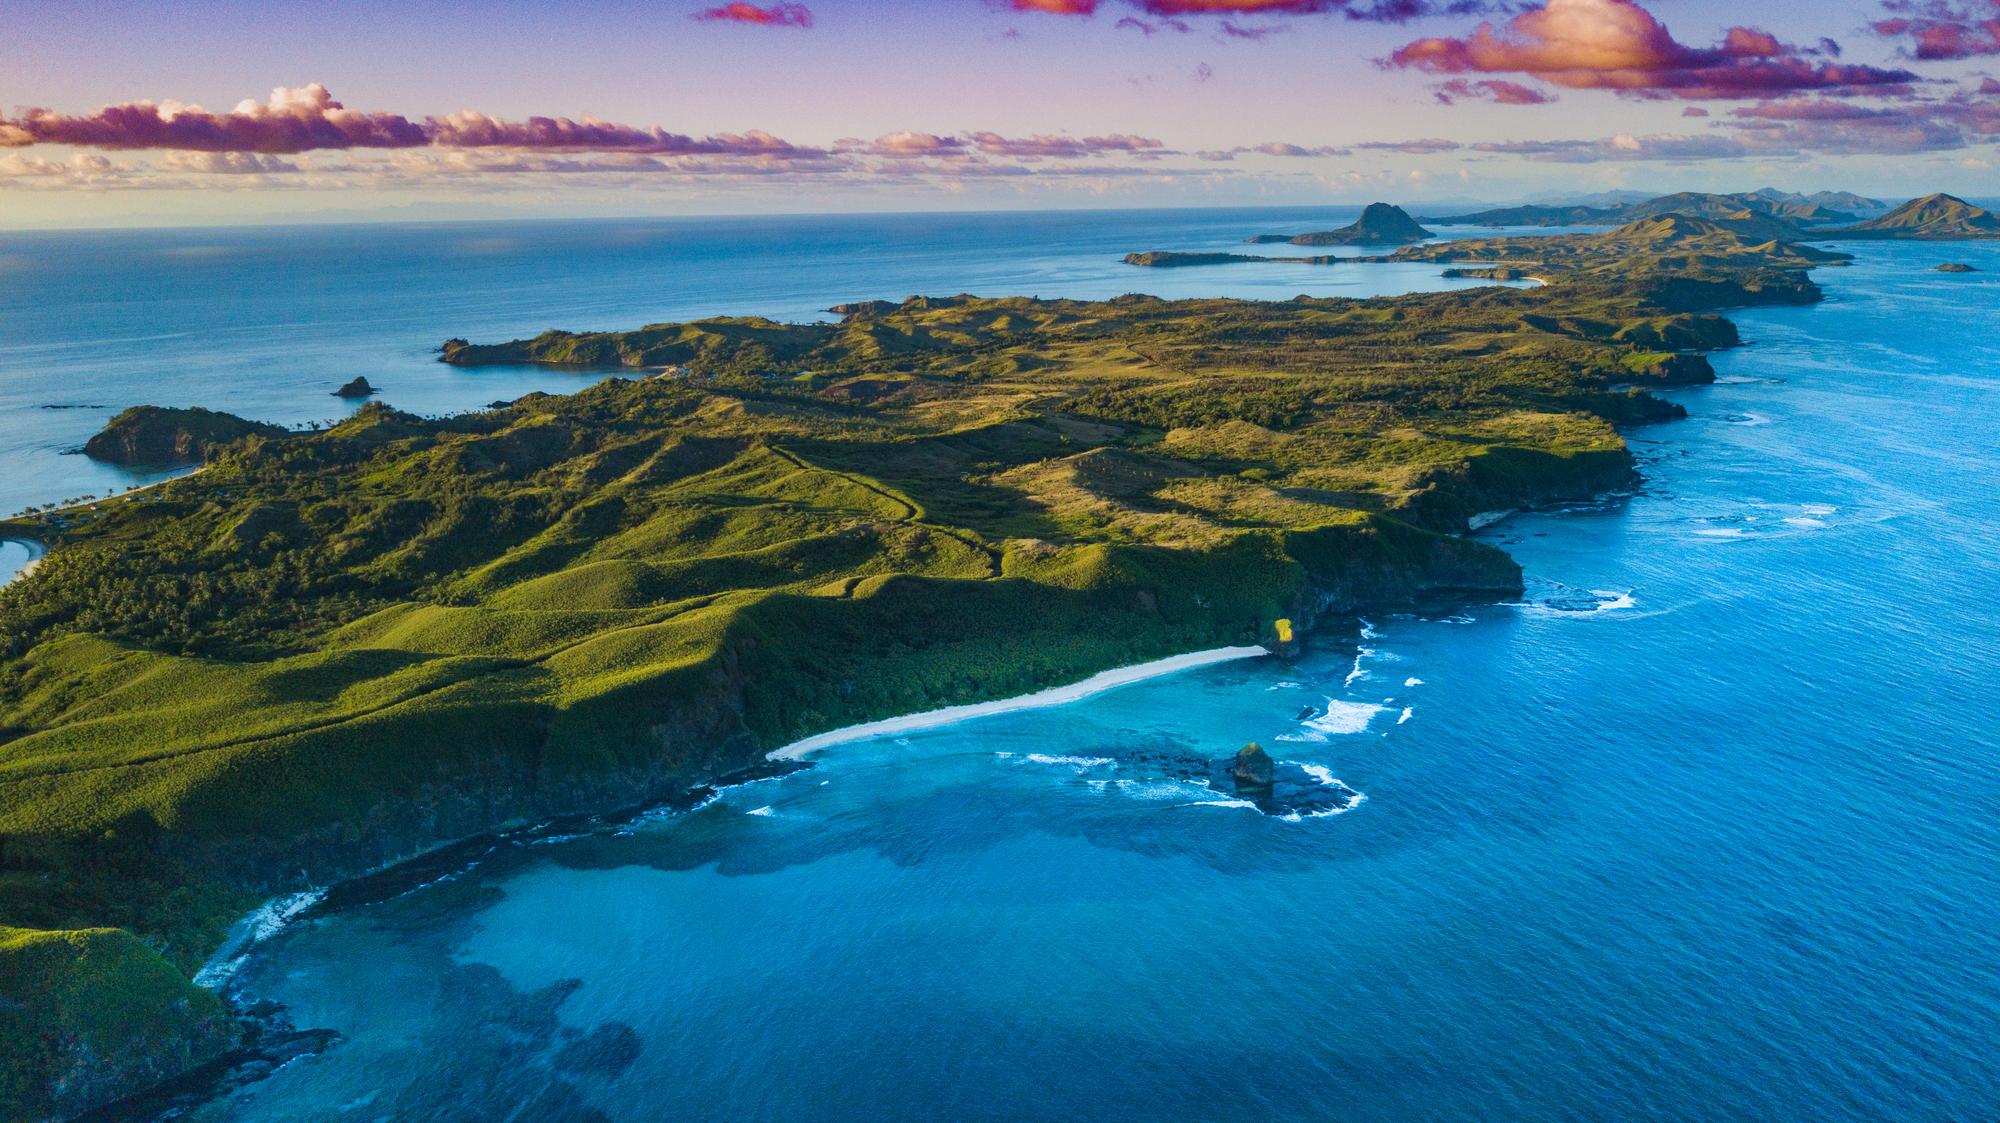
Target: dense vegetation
[
  {"x": 1673, "y": 244},
  {"x": 152, "y": 436},
  {"x": 328, "y": 650}
]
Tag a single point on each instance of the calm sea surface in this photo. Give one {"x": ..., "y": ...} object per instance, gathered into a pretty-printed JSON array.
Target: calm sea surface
[{"x": 1725, "y": 848}]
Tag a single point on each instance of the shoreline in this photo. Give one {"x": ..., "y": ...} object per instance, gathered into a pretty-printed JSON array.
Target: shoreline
[
  {"x": 273, "y": 916},
  {"x": 1035, "y": 700},
  {"x": 36, "y": 552}
]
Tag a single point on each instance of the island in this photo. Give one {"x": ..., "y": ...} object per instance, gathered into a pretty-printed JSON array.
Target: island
[
  {"x": 1167, "y": 259},
  {"x": 1770, "y": 206},
  {"x": 331, "y": 651},
  {"x": 1380, "y": 224},
  {"x": 157, "y": 437},
  {"x": 1933, "y": 218},
  {"x": 1957, "y": 267},
  {"x": 355, "y": 388}
]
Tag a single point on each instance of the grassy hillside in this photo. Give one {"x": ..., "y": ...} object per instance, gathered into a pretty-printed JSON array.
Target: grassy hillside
[
  {"x": 329, "y": 650},
  {"x": 1669, "y": 244}
]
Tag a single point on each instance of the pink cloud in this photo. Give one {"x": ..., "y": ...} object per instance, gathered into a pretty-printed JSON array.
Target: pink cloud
[
  {"x": 1496, "y": 90},
  {"x": 1618, "y": 45},
  {"x": 777, "y": 15},
  {"x": 309, "y": 119},
  {"x": 1366, "y": 11},
  {"x": 1065, "y": 147},
  {"x": 1938, "y": 30},
  {"x": 292, "y": 120},
  {"x": 1428, "y": 146},
  {"x": 907, "y": 146},
  {"x": 469, "y": 129}
]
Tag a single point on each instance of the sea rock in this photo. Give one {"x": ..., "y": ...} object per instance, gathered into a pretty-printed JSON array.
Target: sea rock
[
  {"x": 1254, "y": 769},
  {"x": 358, "y": 388},
  {"x": 155, "y": 436},
  {"x": 1957, "y": 267}
]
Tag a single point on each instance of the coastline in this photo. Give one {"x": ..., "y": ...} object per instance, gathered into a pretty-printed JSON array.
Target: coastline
[
  {"x": 36, "y": 551},
  {"x": 275, "y": 910},
  {"x": 1052, "y": 696},
  {"x": 273, "y": 916}
]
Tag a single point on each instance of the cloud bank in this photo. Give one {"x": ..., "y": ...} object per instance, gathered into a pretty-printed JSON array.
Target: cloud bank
[
  {"x": 1618, "y": 45},
  {"x": 1937, "y": 30}
]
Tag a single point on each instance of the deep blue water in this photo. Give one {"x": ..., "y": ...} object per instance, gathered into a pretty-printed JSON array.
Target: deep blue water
[
  {"x": 1727, "y": 848},
  {"x": 266, "y": 322}
]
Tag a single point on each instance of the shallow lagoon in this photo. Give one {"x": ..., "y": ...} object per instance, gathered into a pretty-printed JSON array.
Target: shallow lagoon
[{"x": 1709, "y": 828}]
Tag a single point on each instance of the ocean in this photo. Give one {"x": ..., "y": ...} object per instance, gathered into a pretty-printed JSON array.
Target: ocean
[{"x": 1706, "y": 828}]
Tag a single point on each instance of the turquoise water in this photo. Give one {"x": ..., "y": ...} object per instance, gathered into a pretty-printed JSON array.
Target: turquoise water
[
  {"x": 266, "y": 323},
  {"x": 1726, "y": 847}
]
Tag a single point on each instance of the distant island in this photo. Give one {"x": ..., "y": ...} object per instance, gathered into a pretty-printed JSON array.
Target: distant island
[
  {"x": 1768, "y": 204},
  {"x": 1673, "y": 243},
  {"x": 1380, "y": 224},
  {"x": 1167, "y": 259},
  {"x": 1768, "y": 215},
  {"x": 1957, "y": 267},
  {"x": 1933, "y": 218}
]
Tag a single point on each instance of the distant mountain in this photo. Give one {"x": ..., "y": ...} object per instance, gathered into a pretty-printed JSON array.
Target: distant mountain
[
  {"x": 1534, "y": 214},
  {"x": 1380, "y": 224},
  {"x": 1766, "y": 213},
  {"x": 1615, "y": 198},
  {"x": 1846, "y": 201},
  {"x": 1670, "y": 243},
  {"x": 1933, "y": 218}
]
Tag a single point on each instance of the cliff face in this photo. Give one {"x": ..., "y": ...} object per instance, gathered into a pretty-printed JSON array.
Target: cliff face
[{"x": 153, "y": 436}]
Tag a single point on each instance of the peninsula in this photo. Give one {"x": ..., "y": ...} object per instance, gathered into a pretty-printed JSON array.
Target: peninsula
[{"x": 332, "y": 650}]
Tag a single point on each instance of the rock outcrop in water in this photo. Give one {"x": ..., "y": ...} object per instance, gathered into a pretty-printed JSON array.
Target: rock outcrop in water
[
  {"x": 154, "y": 436},
  {"x": 1254, "y": 770},
  {"x": 1957, "y": 267},
  {"x": 357, "y": 388},
  {"x": 1380, "y": 224}
]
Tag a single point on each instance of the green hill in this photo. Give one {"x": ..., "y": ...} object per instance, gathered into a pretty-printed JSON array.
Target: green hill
[
  {"x": 151, "y": 436},
  {"x": 1767, "y": 213},
  {"x": 1933, "y": 218},
  {"x": 329, "y": 651},
  {"x": 1668, "y": 244}
]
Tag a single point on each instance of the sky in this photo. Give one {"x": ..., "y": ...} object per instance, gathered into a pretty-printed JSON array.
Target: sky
[{"x": 120, "y": 113}]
